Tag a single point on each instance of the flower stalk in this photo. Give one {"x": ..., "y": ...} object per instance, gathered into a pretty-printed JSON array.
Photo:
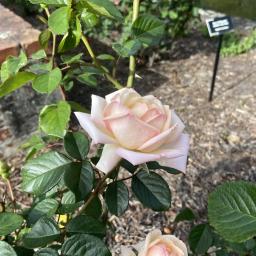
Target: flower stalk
[
  {"x": 132, "y": 64},
  {"x": 96, "y": 62}
]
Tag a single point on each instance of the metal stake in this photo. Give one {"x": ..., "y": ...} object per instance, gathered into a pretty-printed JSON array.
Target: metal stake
[{"x": 216, "y": 65}]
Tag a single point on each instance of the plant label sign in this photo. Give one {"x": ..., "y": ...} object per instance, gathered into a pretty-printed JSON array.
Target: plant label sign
[{"x": 219, "y": 26}]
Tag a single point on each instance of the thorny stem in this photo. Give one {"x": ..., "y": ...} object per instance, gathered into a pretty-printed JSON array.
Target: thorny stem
[
  {"x": 94, "y": 193},
  {"x": 132, "y": 65},
  {"x": 96, "y": 62}
]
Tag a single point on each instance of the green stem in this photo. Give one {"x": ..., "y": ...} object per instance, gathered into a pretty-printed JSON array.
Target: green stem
[
  {"x": 53, "y": 46},
  {"x": 132, "y": 65},
  {"x": 97, "y": 63}
]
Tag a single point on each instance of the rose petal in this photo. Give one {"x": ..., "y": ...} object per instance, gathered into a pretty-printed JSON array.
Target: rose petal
[
  {"x": 129, "y": 97},
  {"x": 173, "y": 155},
  {"x": 109, "y": 159},
  {"x": 125, "y": 251},
  {"x": 157, "y": 141},
  {"x": 136, "y": 157},
  {"x": 154, "y": 102},
  {"x": 168, "y": 114},
  {"x": 158, "y": 122},
  {"x": 98, "y": 105},
  {"x": 177, "y": 242},
  {"x": 142, "y": 247},
  {"x": 139, "y": 109},
  {"x": 150, "y": 114},
  {"x": 97, "y": 135},
  {"x": 115, "y": 109},
  {"x": 130, "y": 132},
  {"x": 178, "y": 162},
  {"x": 175, "y": 120},
  {"x": 158, "y": 250},
  {"x": 116, "y": 94}
]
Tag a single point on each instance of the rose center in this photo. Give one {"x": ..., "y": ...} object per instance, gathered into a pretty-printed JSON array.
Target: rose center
[{"x": 159, "y": 250}]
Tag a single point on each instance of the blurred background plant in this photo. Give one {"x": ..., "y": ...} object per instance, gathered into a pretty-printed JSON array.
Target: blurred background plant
[{"x": 235, "y": 43}]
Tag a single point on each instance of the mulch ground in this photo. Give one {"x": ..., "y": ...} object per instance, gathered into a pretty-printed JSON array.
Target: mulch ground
[{"x": 222, "y": 133}]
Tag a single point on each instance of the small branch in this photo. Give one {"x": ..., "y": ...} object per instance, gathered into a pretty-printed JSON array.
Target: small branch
[
  {"x": 9, "y": 186},
  {"x": 88, "y": 47},
  {"x": 94, "y": 193},
  {"x": 53, "y": 46},
  {"x": 132, "y": 65},
  {"x": 97, "y": 63},
  {"x": 127, "y": 178}
]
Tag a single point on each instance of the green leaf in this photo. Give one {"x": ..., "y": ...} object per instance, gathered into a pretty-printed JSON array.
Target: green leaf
[
  {"x": 33, "y": 145},
  {"x": 185, "y": 215},
  {"x": 103, "y": 7},
  {"x": 86, "y": 245},
  {"x": 128, "y": 49},
  {"x": 79, "y": 179},
  {"x": 15, "y": 82},
  {"x": 128, "y": 166},
  {"x": 157, "y": 166},
  {"x": 107, "y": 57},
  {"x": 72, "y": 38},
  {"x": 152, "y": 190},
  {"x": 6, "y": 249},
  {"x": 45, "y": 231},
  {"x": 47, "y": 83},
  {"x": 94, "y": 208},
  {"x": 232, "y": 211},
  {"x": 53, "y": 119},
  {"x": 46, "y": 207},
  {"x": 22, "y": 251},
  {"x": 46, "y": 252},
  {"x": 76, "y": 145},
  {"x": 87, "y": 79},
  {"x": 200, "y": 239},
  {"x": 86, "y": 225},
  {"x": 59, "y": 20},
  {"x": 39, "y": 68},
  {"x": 41, "y": 54},
  {"x": 148, "y": 30},
  {"x": 93, "y": 70},
  {"x": 9, "y": 222},
  {"x": 68, "y": 203},
  {"x": 44, "y": 38},
  {"x": 89, "y": 19},
  {"x": 117, "y": 198},
  {"x": 41, "y": 174},
  {"x": 50, "y": 2},
  {"x": 12, "y": 65},
  {"x": 69, "y": 59}
]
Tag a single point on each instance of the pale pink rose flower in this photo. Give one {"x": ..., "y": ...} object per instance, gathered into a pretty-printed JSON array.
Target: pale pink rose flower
[
  {"x": 136, "y": 128},
  {"x": 157, "y": 244}
]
